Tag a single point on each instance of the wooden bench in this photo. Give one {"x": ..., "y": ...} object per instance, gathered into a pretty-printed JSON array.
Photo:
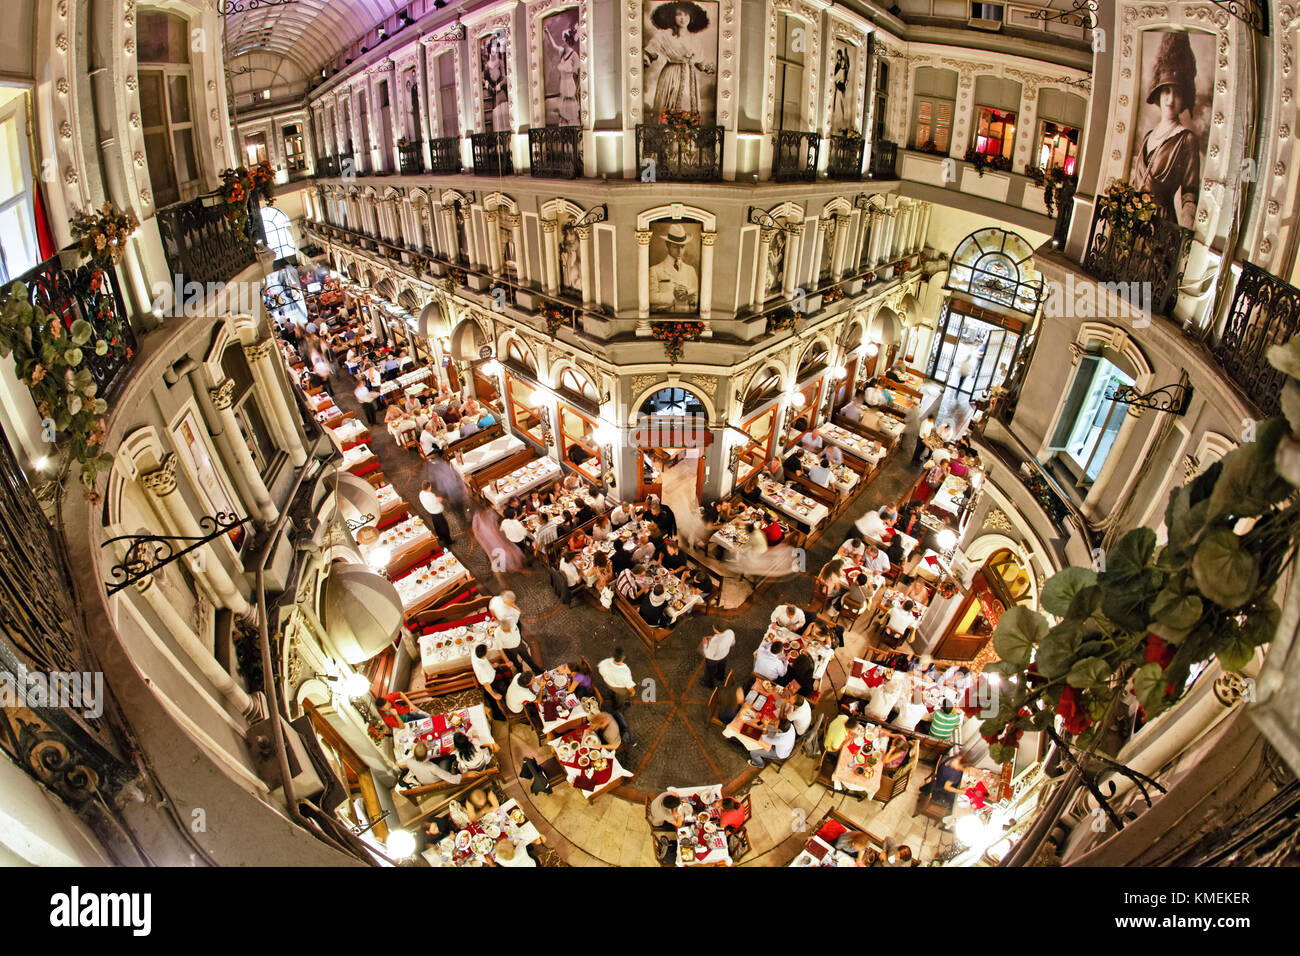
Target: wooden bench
[{"x": 651, "y": 637}]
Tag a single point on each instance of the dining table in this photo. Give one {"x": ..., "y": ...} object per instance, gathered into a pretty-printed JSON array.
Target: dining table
[
  {"x": 793, "y": 644},
  {"x": 522, "y": 480},
  {"x": 791, "y": 502},
  {"x": 402, "y": 541},
  {"x": 763, "y": 709},
  {"x": 477, "y": 844},
  {"x": 590, "y": 767},
  {"x": 844, "y": 478},
  {"x": 559, "y": 709},
  {"x": 451, "y": 649},
  {"x": 476, "y": 459},
  {"x": 732, "y": 536},
  {"x": 320, "y": 401},
  {"x": 358, "y": 456},
  {"x": 390, "y": 502},
  {"x": 950, "y": 497},
  {"x": 330, "y": 416},
  {"x": 882, "y": 422},
  {"x": 438, "y": 731},
  {"x": 350, "y": 431},
  {"x": 427, "y": 584},
  {"x": 859, "y": 446},
  {"x": 861, "y": 762},
  {"x": 701, "y": 839},
  {"x": 817, "y": 852}
]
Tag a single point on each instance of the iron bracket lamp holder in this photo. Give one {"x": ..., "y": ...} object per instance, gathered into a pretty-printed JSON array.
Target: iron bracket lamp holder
[
  {"x": 1169, "y": 398},
  {"x": 148, "y": 553}
]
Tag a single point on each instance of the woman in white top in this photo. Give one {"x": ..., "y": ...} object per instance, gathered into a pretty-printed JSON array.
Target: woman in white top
[
  {"x": 602, "y": 529},
  {"x": 469, "y": 756},
  {"x": 570, "y": 570}
]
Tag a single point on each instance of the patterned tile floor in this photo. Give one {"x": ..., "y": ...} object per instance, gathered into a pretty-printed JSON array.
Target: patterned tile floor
[{"x": 676, "y": 744}]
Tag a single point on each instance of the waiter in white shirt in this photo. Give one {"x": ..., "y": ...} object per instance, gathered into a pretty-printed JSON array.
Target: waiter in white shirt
[
  {"x": 715, "y": 649},
  {"x": 674, "y": 284},
  {"x": 924, "y": 432},
  {"x": 618, "y": 678}
]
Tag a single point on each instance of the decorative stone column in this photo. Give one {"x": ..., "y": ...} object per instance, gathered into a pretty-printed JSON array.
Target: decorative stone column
[
  {"x": 449, "y": 230},
  {"x": 793, "y": 248},
  {"x": 643, "y": 273},
  {"x": 223, "y": 401},
  {"x": 707, "y": 239},
  {"x": 765, "y": 237},
  {"x": 551, "y": 256},
  {"x": 249, "y": 708},
  {"x": 515, "y": 222},
  {"x": 274, "y": 400},
  {"x": 584, "y": 245},
  {"x": 841, "y": 246},
  {"x": 887, "y": 239},
  {"x": 204, "y": 561},
  {"x": 877, "y": 227},
  {"x": 494, "y": 239}
]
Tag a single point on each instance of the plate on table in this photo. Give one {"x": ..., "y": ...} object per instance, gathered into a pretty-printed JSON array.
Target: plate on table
[
  {"x": 483, "y": 844},
  {"x": 462, "y": 840}
]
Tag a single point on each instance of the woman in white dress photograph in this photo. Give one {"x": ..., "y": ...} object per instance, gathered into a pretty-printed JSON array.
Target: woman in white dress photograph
[
  {"x": 682, "y": 58},
  {"x": 562, "y": 58},
  {"x": 496, "y": 84}
]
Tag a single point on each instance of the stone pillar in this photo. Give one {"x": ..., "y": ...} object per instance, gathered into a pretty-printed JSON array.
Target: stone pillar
[
  {"x": 515, "y": 222},
  {"x": 222, "y": 400},
  {"x": 707, "y": 240},
  {"x": 449, "y": 225},
  {"x": 841, "y": 246},
  {"x": 1092, "y": 503},
  {"x": 877, "y": 226},
  {"x": 643, "y": 272},
  {"x": 179, "y": 631},
  {"x": 765, "y": 237},
  {"x": 204, "y": 562},
  {"x": 793, "y": 249},
  {"x": 551, "y": 256},
  {"x": 584, "y": 245},
  {"x": 494, "y": 239},
  {"x": 280, "y": 418}
]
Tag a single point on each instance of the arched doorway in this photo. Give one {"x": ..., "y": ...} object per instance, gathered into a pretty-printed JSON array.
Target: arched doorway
[
  {"x": 1001, "y": 583},
  {"x": 671, "y": 439},
  {"x": 279, "y": 236}
]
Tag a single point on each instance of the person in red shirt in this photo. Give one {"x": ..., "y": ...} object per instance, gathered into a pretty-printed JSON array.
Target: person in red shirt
[
  {"x": 396, "y": 709},
  {"x": 733, "y": 814},
  {"x": 773, "y": 532}
]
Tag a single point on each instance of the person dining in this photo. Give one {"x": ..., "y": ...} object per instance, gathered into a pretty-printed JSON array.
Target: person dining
[
  {"x": 871, "y": 526},
  {"x": 856, "y": 844},
  {"x": 419, "y": 770},
  {"x": 653, "y": 607},
  {"x": 832, "y": 582},
  {"x": 672, "y": 559},
  {"x": 853, "y": 410},
  {"x": 874, "y": 560},
  {"x": 606, "y": 729},
  {"x": 798, "y": 675},
  {"x": 820, "y": 473},
  {"x": 769, "y": 661},
  {"x": 507, "y": 854},
  {"x": 915, "y": 590},
  {"x": 469, "y": 756},
  {"x": 730, "y": 704},
  {"x": 602, "y": 529},
  {"x": 580, "y": 679},
  {"x": 838, "y": 732},
  {"x": 789, "y": 616},
  {"x": 756, "y": 541},
  {"x": 665, "y": 812},
  {"x": 800, "y": 714},
  {"x": 779, "y": 744},
  {"x": 520, "y": 691},
  {"x": 569, "y": 569}
]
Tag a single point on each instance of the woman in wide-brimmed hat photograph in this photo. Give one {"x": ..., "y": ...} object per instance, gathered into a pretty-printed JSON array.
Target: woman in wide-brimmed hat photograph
[
  {"x": 682, "y": 46},
  {"x": 1167, "y": 160},
  {"x": 674, "y": 281}
]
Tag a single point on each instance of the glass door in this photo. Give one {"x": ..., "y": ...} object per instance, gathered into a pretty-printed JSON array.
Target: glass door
[{"x": 971, "y": 356}]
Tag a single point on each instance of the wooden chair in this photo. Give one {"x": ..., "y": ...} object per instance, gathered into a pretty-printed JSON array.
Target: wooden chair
[{"x": 892, "y": 786}]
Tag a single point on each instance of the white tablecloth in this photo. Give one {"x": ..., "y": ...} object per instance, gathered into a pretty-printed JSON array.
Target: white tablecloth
[
  {"x": 859, "y": 446},
  {"x": 351, "y": 430},
  {"x": 416, "y": 587},
  {"x": 879, "y": 421},
  {"x": 506, "y": 817},
  {"x": 791, "y": 502},
  {"x": 479, "y": 458},
  {"x": 845, "y": 479},
  {"x": 440, "y": 653},
  {"x": 356, "y": 455},
  {"x": 404, "y": 737},
  {"x": 617, "y": 772},
  {"x": 829, "y": 855},
  {"x": 399, "y": 540},
  {"x": 522, "y": 480},
  {"x": 945, "y": 498}
]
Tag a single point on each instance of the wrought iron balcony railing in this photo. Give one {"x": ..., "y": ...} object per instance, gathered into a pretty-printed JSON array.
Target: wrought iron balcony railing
[
  {"x": 884, "y": 160},
  {"x": 681, "y": 153},
  {"x": 555, "y": 151},
  {"x": 444, "y": 154},
  {"x": 1151, "y": 253},
  {"x": 794, "y": 156},
  {"x": 492, "y": 154},
  {"x": 410, "y": 158},
  {"x": 203, "y": 243},
  {"x": 844, "y": 157},
  {"x": 1265, "y": 311},
  {"x": 87, "y": 291}
]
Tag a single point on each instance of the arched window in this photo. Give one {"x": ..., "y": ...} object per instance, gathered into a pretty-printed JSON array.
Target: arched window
[
  {"x": 814, "y": 360},
  {"x": 521, "y": 355},
  {"x": 996, "y": 266},
  {"x": 575, "y": 383},
  {"x": 764, "y": 387},
  {"x": 279, "y": 234},
  {"x": 673, "y": 401}
]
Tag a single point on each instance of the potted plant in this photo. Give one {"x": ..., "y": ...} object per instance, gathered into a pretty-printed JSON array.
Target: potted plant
[
  {"x": 1053, "y": 181},
  {"x": 674, "y": 335}
]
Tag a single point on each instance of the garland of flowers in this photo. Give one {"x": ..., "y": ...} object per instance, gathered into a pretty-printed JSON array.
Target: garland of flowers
[
  {"x": 929, "y": 147},
  {"x": 983, "y": 161},
  {"x": 1127, "y": 210},
  {"x": 1044, "y": 495},
  {"x": 1153, "y": 616},
  {"x": 682, "y": 125},
  {"x": 781, "y": 320},
  {"x": 239, "y": 185},
  {"x": 556, "y": 317},
  {"x": 1053, "y": 181},
  {"x": 459, "y": 276},
  {"x": 675, "y": 334},
  {"x": 103, "y": 236},
  {"x": 833, "y": 294}
]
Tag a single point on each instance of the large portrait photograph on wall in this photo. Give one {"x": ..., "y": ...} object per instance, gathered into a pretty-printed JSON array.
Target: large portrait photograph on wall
[
  {"x": 560, "y": 67},
  {"x": 675, "y": 267},
  {"x": 1173, "y": 124},
  {"x": 496, "y": 83},
  {"x": 680, "y": 47}
]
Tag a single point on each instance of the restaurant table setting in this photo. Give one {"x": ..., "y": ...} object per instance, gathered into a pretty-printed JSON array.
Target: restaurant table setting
[
  {"x": 559, "y": 709},
  {"x": 980, "y": 789},
  {"x": 882, "y": 422},
  {"x": 438, "y": 731},
  {"x": 682, "y": 598},
  {"x": 859, "y": 446},
  {"x": 476, "y": 844},
  {"x": 399, "y": 540},
  {"x": 893, "y": 599},
  {"x": 951, "y": 496},
  {"x": 886, "y": 539},
  {"x": 401, "y": 427},
  {"x": 817, "y": 852},
  {"x": 786, "y": 499},
  {"x": 329, "y": 416},
  {"x": 929, "y": 568},
  {"x": 732, "y": 536},
  {"x": 320, "y": 401},
  {"x": 899, "y": 399},
  {"x": 522, "y": 480},
  {"x": 588, "y": 764},
  {"x": 430, "y": 580},
  {"x": 356, "y": 456},
  {"x": 701, "y": 840},
  {"x": 862, "y": 760},
  {"x": 452, "y": 648},
  {"x": 478, "y": 458},
  {"x": 350, "y": 431},
  {"x": 762, "y": 710},
  {"x": 407, "y": 381},
  {"x": 844, "y": 477},
  {"x": 794, "y": 644},
  {"x": 389, "y": 499}
]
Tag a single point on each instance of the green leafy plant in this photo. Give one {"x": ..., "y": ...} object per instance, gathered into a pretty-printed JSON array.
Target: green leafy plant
[
  {"x": 675, "y": 334},
  {"x": 1053, "y": 181},
  {"x": 1149, "y": 616},
  {"x": 1127, "y": 211},
  {"x": 983, "y": 161}
]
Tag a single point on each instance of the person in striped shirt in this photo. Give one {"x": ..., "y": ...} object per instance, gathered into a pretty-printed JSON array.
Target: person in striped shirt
[{"x": 945, "y": 721}]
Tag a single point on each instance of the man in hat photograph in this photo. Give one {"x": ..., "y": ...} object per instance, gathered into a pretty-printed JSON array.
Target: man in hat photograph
[
  {"x": 1167, "y": 161},
  {"x": 674, "y": 283}
]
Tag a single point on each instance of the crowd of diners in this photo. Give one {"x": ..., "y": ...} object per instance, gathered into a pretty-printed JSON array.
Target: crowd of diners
[{"x": 635, "y": 555}]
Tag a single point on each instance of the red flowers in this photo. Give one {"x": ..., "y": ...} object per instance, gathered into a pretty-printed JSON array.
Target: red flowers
[
  {"x": 1158, "y": 651},
  {"x": 1073, "y": 710}
]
